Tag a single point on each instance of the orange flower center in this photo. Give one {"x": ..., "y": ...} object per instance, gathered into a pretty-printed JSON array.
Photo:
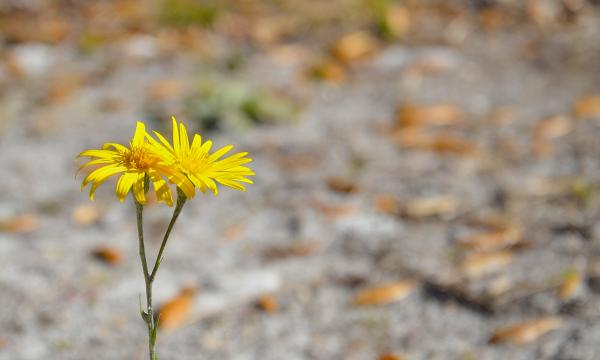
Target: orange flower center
[{"x": 139, "y": 158}]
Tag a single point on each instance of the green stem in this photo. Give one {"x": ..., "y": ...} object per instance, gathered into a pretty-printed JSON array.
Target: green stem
[
  {"x": 148, "y": 313},
  {"x": 180, "y": 202}
]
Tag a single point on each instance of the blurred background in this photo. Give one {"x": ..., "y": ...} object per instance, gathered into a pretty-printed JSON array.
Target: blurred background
[{"x": 427, "y": 179}]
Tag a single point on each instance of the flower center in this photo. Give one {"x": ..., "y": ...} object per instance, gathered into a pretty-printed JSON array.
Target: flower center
[{"x": 139, "y": 158}]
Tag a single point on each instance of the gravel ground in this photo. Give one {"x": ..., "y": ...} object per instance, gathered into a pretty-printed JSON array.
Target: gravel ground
[{"x": 291, "y": 236}]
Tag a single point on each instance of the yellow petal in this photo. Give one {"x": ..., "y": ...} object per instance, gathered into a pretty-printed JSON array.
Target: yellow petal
[
  {"x": 162, "y": 189},
  {"x": 139, "y": 135},
  {"x": 184, "y": 141},
  {"x": 124, "y": 184},
  {"x": 117, "y": 147},
  {"x": 220, "y": 152},
  {"x": 107, "y": 154},
  {"x": 102, "y": 174},
  {"x": 138, "y": 189},
  {"x": 176, "y": 145},
  {"x": 164, "y": 141}
]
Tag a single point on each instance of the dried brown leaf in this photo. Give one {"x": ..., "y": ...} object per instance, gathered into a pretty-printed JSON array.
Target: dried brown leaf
[
  {"x": 431, "y": 206},
  {"x": 397, "y": 20},
  {"x": 109, "y": 255},
  {"x": 165, "y": 89},
  {"x": 587, "y": 107},
  {"x": 341, "y": 185},
  {"x": 334, "y": 211},
  {"x": 452, "y": 145},
  {"x": 553, "y": 127},
  {"x": 354, "y": 47},
  {"x": 267, "y": 303},
  {"x": 176, "y": 311},
  {"x": 385, "y": 294},
  {"x": 20, "y": 224},
  {"x": 526, "y": 331},
  {"x": 479, "y": 264},
  {"x": 387, "y": 204},
  {"x": 571, "y": 284},
  {"x": 330, "y": 71},
  {"x": 86, "y": 215},
  {"x": 293, "y": 250},
  {"x": 492, "y": 240},
  {"x": 390, "y": 356},
  {"x": 422, "y": 115}
]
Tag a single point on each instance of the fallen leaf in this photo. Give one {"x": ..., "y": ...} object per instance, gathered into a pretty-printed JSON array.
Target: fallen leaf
[
  {"x": 423, "y": 115},
  {"x": 330, "y": 71},
  {"x": 341, "y": 185},
  {"x": 390, "y": 356},
  {"x": 526, "y": 331},
  {"x": 334, "y": 211},
  {"x": 572, "y": 282},
  {"x": 354, "y": 47},
  {"x": 62, "y": 87},
  {"x": 267, "y": 303},
  {"x": 492, "y": 240},
  {"x": 165, "y": 89},
  {"x": 108, "y": 255},
  {"x": 548, "y": 129},
  {"x": 431, "y": 206},
  {"x": 479, "y": 264},
  {"x": 492, "y": 18},
  {"x": 86, "y": 215},
  {"x": 398, "y": 20},
  {"x": 20, "y": 224},
  {"x": 385, "y": 294},
  {"x": 176, "y": 311},
  {"x": 587, "y": 107},
  {"x": 387, "y": 204},
  {"x": 293, "y": 250},
  {"x": 451, "y": 145},
  {"x": 553, "y": 127}
]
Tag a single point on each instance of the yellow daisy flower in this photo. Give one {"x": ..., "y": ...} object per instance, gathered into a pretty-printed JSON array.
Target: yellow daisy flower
[
  {"x": 134, "y": 164},
  {"x": 202, "y": 168}
]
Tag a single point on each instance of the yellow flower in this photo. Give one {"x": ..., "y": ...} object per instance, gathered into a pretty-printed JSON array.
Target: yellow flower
[
  {"x": 134, "y": 164},
  {"x": 201, "y": 167}
]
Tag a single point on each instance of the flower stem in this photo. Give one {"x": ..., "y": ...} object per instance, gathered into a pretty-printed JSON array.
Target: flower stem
[
  {"x": 148, "y": 313},
  {"x": 180, "y": 202}
]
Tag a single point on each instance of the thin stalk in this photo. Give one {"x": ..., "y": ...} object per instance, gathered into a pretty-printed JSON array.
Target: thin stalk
[
  {"x": 148, "y": 313},
  {"x": 180, "y": 202}
]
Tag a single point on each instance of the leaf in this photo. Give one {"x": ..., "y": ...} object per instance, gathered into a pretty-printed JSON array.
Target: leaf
[
  {"x": 354, "y": 47},
  {"x": 431, "y": 206},
  {"x": 390, "y": 356},
  {"x": 408, "y": 116},
  {"x": 572, "y": 282},
  {"x": 587, "y": 107},
  {"x": 176, "y": 311},
  {"x": 387, "y": 204},
  {"x": 526, "y": 331},
  {"x": 330, "y": 71},
  {"x": 492, "y": 240},
  {"x": 20, "y": 224},
  {"x": 108, "y": 255},
  {"x": 86, "y": 215},
  {"x": 301, "y": 249},
  {"x": 385, "y": 294},
  {"x": 334, "y": 211},
  {"x": 267, "y": 303},
  {"x": 553, "y": 127},
  {"x": 479, "y": 264},
  {"x": 341, "y": 185},
  {"x": 165, "y": 89}
]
